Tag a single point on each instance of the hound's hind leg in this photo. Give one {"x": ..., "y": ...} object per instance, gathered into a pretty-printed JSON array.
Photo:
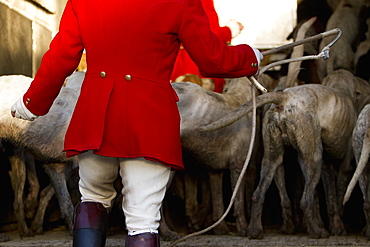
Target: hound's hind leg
[{"x": 272, "y": 159}]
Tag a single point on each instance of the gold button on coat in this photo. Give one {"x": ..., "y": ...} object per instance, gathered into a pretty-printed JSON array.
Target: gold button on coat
[
  {"x": 28, "y": 101},
  {"x": 128, "y": 77},
  {"x": 103, "y": 74},
  {"x": 254, "y": 65}
]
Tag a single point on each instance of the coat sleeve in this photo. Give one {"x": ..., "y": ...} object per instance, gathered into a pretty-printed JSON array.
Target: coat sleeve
[
  {"x": 213, "y": 57},
  {"x": 223, "y": 32},
  {"x": 58, "y": 62}
]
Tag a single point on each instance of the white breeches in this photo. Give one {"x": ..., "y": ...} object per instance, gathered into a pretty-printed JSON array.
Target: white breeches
[{"x": 144, "y": 186}]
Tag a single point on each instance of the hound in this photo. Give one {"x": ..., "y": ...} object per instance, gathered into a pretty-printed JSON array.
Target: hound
[{"x": 317, "y": 121}]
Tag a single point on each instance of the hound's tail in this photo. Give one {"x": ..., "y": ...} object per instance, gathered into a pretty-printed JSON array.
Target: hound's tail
[
  {"x": 360, "y": 167},
  {"x": 236, "y": 114}
]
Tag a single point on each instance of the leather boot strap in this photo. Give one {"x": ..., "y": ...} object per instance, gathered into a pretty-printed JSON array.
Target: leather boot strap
[{"x": 143, "y": 240}]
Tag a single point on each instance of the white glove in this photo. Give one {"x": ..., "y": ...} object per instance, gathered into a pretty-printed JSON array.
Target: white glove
[
  {"x": 235, "y": 28},
  {"x": 19, "y": 110},
  {"x": 259, "y": 56}
]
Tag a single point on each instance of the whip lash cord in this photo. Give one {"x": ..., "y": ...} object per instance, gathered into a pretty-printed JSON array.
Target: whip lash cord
[
  {"x": 323, "y": 54},
  {"x": 312, "y": 38},
  {"x": 239, "y": 181}
]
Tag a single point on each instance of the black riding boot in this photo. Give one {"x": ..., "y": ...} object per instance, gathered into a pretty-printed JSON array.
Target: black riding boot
[
  {"x": 143, "y": 240},
  {"x": 90, "y": 225}
]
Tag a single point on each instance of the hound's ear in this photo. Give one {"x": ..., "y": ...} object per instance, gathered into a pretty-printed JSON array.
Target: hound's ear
[{"x": 362, "y": 95}]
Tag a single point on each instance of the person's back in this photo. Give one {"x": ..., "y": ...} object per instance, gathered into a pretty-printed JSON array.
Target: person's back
[{"x": 130, "y": 37}]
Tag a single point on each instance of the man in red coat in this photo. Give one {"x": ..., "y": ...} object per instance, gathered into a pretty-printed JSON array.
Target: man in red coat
[
  {"x": 185, "y": 65},
  {"x": 126, "y": 119}
]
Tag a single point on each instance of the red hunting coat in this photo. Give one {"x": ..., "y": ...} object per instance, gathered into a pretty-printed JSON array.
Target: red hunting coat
[{"x": 127, "y": 107}]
